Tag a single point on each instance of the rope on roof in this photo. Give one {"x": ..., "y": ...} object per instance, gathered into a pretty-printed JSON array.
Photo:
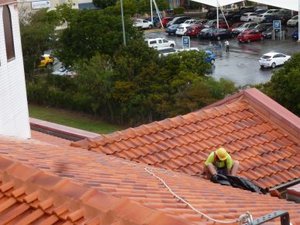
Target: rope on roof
[{"x": 243, "y": 219}]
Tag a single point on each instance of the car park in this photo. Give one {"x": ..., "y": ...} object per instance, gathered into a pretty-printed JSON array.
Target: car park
[
  {"x": 273, "y": 59},
  {"x": 247, "y": 17},
  {"x": 250, "y": 35},
  {"x": 171, "y": 30},
  {"x": 142, "y": 24},
  {"x": 159, "y": 43},
  {"x": 293, "y": 21}
]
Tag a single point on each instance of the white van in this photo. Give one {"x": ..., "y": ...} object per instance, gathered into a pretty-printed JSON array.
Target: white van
[{"x": 160, "y": 43}]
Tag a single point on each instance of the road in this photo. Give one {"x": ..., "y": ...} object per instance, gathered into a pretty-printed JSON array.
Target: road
[{"x": 240, "y": 65}]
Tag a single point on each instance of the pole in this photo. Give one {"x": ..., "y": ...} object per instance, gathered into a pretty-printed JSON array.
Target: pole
[
  {"x": 123, "y": 24},
  {"x": 218, "y": 15},
  {"x": 151, "y": 12},
  {"x": 298, "y": 20}
]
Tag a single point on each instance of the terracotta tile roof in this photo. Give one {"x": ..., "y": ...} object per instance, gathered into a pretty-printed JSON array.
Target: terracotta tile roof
[
  {"x": 29, "y": 194},
  {"x": 256, "y": 130}
]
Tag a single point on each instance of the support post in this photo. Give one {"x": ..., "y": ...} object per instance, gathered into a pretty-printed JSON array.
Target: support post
[
  {"x": 298, "y": 21},
  {"x": 123, "y": 24},
  {"x": 151, "y": 11}
]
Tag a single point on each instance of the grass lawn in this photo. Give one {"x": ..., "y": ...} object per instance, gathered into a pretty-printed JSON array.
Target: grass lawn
[{"x": 72, "y": 119}]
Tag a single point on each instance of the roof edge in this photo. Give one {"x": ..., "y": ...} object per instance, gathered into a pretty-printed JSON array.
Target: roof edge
[
  {"x": 62, "y": 131},
  {"x": 273, "y": 111}
]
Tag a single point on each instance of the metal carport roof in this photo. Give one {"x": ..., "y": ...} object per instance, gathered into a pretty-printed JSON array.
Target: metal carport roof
[
  {"x": 290, "y": 4},
  {"x": 217, "y": 3}
]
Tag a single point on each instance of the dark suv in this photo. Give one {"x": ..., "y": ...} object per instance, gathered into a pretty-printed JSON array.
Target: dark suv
[{"x": 178, "y": 20}]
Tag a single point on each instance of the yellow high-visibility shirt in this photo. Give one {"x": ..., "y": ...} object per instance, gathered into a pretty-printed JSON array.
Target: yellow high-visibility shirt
[{"x": 228, "y": 163}]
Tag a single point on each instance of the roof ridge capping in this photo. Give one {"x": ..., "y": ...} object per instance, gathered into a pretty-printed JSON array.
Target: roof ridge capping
[
  {"x": 71, "y": 201},
  {"x": 273, "y": 111}
]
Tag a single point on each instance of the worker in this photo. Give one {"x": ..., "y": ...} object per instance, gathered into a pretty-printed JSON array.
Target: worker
[{"x": 220, "y": 162}]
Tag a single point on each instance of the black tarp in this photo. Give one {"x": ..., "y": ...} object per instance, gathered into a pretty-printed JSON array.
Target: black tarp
[{"x": 238, "y": 182}]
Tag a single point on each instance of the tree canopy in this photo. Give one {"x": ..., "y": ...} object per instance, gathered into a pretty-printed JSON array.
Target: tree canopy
[{"x": 284, "y": 85}]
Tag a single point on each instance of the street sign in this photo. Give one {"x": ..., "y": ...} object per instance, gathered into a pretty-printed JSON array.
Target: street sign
[
  {"x": 277, "y": 24},
  {"x": 186, "y": 41}
]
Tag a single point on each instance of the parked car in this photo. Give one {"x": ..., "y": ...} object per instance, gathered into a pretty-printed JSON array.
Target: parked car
[
  {"x": 159, "y": 43},
  {"x": 250, "y": 35},
  {"x": 63, "y": 71},
  {"x": 164, "y": 51},
  {"x": 194, "y": 30},
  {"x": 270, "y": 18},
  {"x": 293, "y": 21},
  {"x": 178, "y": 20},
  {"x": 172, "y": 29},
  {"x": 243, "y": 27},
  {"x": 210, "y": 57},
  {"x": 273, "y": 59},
  {"x": 267, "y": 34},
  {"x": 249, "y": 16},
  {"x": 214, "y": 33},
  {"x": 182, "y": 28},
  {"x": 295, "y": 35},
  {"x": 213, "y": 23},
  {"x": 142, "y": 24},
  {"x": 262, "y": 26},
  {"x": 268, "y": 13},
  {"x": 165, "y": 20},
  {"x": 235, "y": 25},
  {"x": 45, "y": 60}
]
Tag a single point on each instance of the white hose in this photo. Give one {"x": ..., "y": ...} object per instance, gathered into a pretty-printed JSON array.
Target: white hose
[{"x": 243, "y": 219}]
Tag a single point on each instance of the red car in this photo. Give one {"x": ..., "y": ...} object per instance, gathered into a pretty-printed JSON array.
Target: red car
[
  {"x": 194, "y": 30},
  {"x": 164, "y": 21},
  {"x": 250, "y": 35}
]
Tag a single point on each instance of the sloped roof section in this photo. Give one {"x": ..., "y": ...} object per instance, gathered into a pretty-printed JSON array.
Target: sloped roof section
[
  {"x": 66, "y": 175},
  {"x": 256, "y": 130},
  {"x": 29, "y": 196}
]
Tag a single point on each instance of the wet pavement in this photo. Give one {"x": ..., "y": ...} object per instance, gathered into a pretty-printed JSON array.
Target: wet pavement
[{"x": 240, "y": 65}]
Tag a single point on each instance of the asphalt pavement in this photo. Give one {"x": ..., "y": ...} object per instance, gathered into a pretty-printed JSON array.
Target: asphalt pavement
[{"x": 240, "y": 65}]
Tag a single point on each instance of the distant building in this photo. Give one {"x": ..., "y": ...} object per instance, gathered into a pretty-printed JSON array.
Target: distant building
[{"x": 14, "y": 119}]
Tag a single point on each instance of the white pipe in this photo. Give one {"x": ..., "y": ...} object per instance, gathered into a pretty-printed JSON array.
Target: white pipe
[
  {"x": 158, "y": 13},
  {"x": 151, "y": 13},
  {"x": 298, "y": 20}
]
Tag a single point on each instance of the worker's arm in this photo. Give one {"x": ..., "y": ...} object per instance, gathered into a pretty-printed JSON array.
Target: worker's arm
[{"x": 209, "y": 164}]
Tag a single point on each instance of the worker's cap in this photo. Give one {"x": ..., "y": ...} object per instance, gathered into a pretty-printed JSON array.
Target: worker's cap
[{"x": 222, "y": 153}]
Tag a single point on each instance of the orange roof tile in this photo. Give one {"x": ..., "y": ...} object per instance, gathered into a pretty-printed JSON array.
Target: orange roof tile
[
  {"x": 256, "y": 130},
  {"x": 49, "y": 184}
]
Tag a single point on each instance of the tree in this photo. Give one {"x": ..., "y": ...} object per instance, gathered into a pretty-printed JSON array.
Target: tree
[
  {"x": 36, "y": 34},
  {"x": 91, "y": 32},
  {"x": 284, "y": 85}
]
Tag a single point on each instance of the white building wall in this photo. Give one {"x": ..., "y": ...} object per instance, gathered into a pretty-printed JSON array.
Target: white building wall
[{"x": 14, "y": 118}]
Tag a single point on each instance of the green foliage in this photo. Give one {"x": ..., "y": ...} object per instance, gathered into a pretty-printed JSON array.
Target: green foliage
[
  {"x": 37, "y": 36},
  {"x": 143, "y": 6},
  {"x": 93, "y": 31},
  {"x": 179, "y": 10},
  {"x": 284, "y": 86}
]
